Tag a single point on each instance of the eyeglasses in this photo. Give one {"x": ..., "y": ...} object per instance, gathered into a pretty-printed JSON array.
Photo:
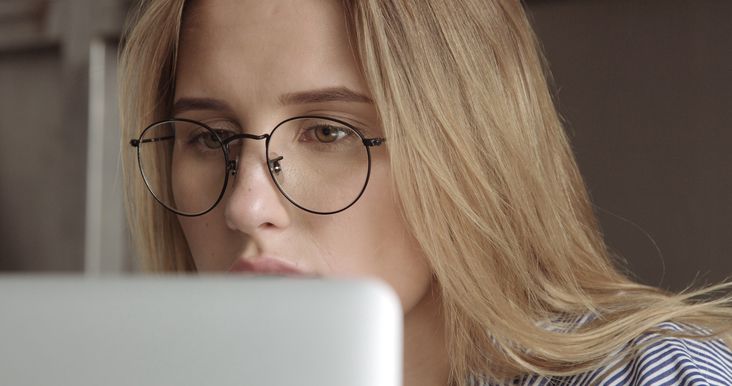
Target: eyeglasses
[{"x": 321, "y": 165}]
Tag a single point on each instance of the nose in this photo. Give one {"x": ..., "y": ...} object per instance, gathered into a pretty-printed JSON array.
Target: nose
[{"x": 252, "y": 202}]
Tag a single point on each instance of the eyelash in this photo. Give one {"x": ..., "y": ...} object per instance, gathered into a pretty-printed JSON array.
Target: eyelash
[{"x": 360, "y": 127}]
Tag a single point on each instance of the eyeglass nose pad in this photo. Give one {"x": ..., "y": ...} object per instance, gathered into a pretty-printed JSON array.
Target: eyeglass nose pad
[
  {"x": 274, "y": 165},
  {"x": 232, "y": 167}
]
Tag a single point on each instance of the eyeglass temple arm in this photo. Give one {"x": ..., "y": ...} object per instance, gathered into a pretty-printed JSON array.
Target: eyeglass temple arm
[
  {"x": 374, "y": 141},
  {"x": 137, "y": 142}
]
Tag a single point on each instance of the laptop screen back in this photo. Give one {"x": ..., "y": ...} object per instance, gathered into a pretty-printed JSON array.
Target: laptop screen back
[{"x": 198, "y": 331}]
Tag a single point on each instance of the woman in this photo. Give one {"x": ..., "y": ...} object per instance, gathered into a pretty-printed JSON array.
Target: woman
[{"x": 415, "y": 142}]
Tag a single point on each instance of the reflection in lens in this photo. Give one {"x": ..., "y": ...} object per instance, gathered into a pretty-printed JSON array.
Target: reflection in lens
[
  {"x": 184, "y": 166},
  {"x": 324, "y": 164}
]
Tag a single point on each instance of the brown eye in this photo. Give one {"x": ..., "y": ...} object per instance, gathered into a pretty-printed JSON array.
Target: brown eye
[
  {"x": 209, "y": 140},
  {"x": 329, "y": 134}
]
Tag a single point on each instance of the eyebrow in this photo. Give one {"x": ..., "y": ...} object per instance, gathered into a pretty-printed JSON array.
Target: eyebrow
[
  {"x": 330, "y": 94},
  {"x": 193, "y": 104}
]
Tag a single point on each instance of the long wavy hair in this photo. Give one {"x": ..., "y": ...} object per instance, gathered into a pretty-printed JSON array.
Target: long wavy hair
[{"x": 485, "y": 176}]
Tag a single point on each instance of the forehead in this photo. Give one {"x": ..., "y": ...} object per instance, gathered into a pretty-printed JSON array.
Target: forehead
[{"x": 250, "y": 52}]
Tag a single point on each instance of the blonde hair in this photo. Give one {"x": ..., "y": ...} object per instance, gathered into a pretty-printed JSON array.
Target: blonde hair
[
  {"x": 147, "y": 78},
  {"x": 485, "y": 176}
]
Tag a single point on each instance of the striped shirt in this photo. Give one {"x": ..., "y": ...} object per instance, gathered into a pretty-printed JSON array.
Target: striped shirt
[{"x": 665, "y": 361}]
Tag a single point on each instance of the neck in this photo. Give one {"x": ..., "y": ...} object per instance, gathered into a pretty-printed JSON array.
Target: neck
[{"x": 425, "y": 351}]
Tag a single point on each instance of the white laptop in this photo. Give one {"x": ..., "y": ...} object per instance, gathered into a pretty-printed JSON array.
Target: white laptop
[{"x": 198, "y": 330}]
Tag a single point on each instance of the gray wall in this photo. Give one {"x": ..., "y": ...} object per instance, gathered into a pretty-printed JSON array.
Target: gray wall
[
  {"x": 59, "y": 191},
  {"x": 645, "y": 88},
  {"x": 41, "y": 182}
]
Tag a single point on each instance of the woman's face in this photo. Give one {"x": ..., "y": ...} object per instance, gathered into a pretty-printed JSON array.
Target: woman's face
[{"x": 248, "y": 65}]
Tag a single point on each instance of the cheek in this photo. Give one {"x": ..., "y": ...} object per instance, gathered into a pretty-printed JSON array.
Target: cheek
[
  {"x": 408, "y": 274},
  {"x": 208, "y": 240},
  {"x": 394, "y": 257},
  {"x": 375, "y": 242},
  {"x": 196, "y": 180},
  {"x": 405, "y": 267}
]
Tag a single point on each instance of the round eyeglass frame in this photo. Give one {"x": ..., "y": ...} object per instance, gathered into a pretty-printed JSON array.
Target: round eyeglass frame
[{"x": 231, "y": 164}]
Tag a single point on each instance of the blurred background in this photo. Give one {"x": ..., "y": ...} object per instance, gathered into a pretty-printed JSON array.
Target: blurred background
[{"x": 645, "y": 89}]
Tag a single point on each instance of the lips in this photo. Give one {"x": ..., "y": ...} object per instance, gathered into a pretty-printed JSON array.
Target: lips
[{"x": 266, "y": 266}]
